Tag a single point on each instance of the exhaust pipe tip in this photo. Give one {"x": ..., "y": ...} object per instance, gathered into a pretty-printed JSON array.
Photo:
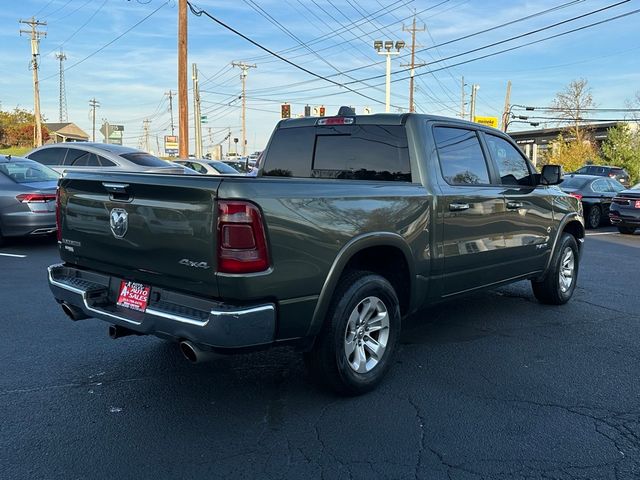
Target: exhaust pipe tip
[
  {"x": 74, "y": 313},
  {"x": 195, "y": 354},
  {"x": 188, "y": 350}
]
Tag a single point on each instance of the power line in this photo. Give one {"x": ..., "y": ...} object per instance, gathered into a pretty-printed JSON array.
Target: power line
[{"x": 200, "y": 12}]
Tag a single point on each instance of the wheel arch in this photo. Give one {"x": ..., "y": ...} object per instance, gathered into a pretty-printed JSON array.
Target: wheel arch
[
  {"x": 375, "y": 252},
  {"x": 572, "y": 224}
]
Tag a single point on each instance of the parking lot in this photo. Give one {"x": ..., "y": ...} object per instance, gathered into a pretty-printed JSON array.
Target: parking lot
[{"x": 491, "y": 386}]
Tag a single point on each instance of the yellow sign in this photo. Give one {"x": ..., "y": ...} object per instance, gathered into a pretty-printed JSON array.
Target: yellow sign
[{"x": 488, "y": 121}]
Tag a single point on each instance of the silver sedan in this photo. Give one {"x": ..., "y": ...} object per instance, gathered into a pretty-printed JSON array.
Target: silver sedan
[
  {"x": 27, "y": 198},
  {"x": 94, "y": 155}
]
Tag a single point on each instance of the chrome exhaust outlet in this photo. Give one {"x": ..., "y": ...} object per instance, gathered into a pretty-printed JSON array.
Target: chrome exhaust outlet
[
  {"x": 74, "y": 313},
  {"x": 195, "y": 354},
  {"x": 116, "y": 331}
]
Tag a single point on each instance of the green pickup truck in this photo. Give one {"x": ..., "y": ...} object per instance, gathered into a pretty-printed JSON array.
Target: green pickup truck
[{"x": 351, "y": 224}]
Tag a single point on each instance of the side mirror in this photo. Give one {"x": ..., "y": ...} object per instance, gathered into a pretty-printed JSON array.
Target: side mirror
[{"x": 551, "y": 175}]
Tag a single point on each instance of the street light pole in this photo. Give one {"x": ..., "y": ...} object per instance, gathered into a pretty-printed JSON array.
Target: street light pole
[{"x": 388, "y": 46}]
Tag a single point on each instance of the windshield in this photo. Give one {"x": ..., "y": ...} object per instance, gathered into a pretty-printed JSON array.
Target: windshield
[
  {"x": 145, "y": 159},
  {"x": 28, "y": 172}
]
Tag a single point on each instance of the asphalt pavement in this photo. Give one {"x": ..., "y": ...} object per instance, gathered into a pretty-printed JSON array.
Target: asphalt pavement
[{"x": 492, "y": 386}]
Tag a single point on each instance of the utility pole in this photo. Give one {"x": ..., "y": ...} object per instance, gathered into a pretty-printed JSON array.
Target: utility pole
[
  {"x": 63, "y": 93},
  {"x": 472, "y": 111},
  {"x": 197, "y": 119},
  {"x": 243, "y": 76},
  {"x": 145, "y": 128},
  {"x": 505, "y": 113},
  {"x": 170, "y": 95},
  {"x": 413, "y": 31},
  {"x": 183, "y": 112},
  {"x": 35, "y": 44},
  {"x": 462, "y": 85},
  {"x": 93, "y": 103}
]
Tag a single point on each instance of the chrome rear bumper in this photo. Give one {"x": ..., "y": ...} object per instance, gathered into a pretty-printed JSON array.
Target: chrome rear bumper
[{"x": 169, "y": 314}]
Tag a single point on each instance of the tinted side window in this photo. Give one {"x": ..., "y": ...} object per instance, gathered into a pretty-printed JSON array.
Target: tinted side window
[
  {"x": 512, "y": 166},
  {"x": 362, "y": 152},
  {"x": 461, "y": 159},
  {"x": 600, "y": 186},
  {"x": 49, "y": 156},
  {"x": 290, "y": 153},
  {"x": 74, "y": 155},
  {"x": 144, "y": 159},
  {"x": 104, "y": 162},
  {"x": 87, "y": 160}
]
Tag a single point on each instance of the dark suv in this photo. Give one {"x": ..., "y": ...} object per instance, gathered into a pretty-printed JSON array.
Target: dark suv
[{"x": 617, "y": 173}]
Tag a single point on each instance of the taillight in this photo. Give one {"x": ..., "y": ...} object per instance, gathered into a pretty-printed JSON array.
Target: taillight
[
  {"x": 58, "y": 216},
  {"x": 35, "y": 197},
  {"x": 576, "y": 195},
  {"x": 242, "y": 244},
  {"x": 335, "y": 121}
]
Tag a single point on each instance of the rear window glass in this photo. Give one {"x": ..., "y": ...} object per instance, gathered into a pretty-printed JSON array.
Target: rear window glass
[
  {"x": 28, "y": 172},
  {"x": 49, "y": 156},
  {"x": 356, "y": 152},
  {"x": 574, "y": 182},
  {"x": 144, "y": 159}
]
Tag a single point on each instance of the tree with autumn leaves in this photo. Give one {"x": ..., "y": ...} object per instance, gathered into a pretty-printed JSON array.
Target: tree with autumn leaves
[{"x": 17, "y": 129}]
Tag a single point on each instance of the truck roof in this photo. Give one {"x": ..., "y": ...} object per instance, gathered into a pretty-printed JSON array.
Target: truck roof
[{"x": 377, "y": 119}]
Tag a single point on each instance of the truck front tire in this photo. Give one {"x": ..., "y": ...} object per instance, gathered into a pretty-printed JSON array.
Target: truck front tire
[
  {"x": 356, "y": 344},
  {"x": 558, "y": 285}
]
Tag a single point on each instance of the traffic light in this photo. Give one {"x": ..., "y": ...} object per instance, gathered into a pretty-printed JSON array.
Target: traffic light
[
  {"x": 307, "y": 111},
  {"x": 285, "y": 110},
  {"x": 322, "y": 111}
]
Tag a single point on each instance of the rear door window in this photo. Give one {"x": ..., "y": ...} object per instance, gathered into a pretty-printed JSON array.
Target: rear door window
[
  {"x": 87, "y": 160},
  {"x": 461, "y": 158},
  {"x": 49, "y": 156},
  {"x": 74, "y": 155},
  {"x": 144, "y": 159}
]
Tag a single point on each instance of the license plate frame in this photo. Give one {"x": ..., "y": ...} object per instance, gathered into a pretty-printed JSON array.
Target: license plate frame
[
  {"x": 133, "y": 295},
  {"x": 637, "y": 204}
]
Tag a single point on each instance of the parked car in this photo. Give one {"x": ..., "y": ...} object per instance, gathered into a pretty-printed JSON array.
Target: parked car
[
  {"x": 353, "y": 223},
  {"x": 617, "y": 173},
  {"x": 208, "y": 167},
  {"x": 595, "y": 193},
  {"x": 94, "y": 155},
  {"x": 625, "y": 210},
  {"x": 27, "y": 198}
]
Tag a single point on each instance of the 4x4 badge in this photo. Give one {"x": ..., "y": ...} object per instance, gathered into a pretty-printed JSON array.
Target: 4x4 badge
[{"x": 119, "y": 222}]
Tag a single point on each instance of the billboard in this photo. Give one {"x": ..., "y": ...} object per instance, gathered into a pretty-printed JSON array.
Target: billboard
[
  {"x": 488, "y": 121},
  {"x": 171, "y": 145}
]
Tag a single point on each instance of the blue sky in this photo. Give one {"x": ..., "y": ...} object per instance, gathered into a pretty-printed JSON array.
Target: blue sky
[{"x": 130, "y": 76}]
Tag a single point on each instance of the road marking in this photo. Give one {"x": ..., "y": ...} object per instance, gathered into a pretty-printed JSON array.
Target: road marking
[
  {"x": 13, "y": 255},
  {"x": 602, "y": 233}
]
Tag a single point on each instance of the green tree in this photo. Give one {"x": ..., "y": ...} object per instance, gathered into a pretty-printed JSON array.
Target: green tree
[
  {"x": 571, "y": 154},
  {"x": 622, "y": 149}
]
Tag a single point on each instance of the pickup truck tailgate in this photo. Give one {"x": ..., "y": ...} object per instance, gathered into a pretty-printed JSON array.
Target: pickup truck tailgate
[{"x": 153, "y": 228}]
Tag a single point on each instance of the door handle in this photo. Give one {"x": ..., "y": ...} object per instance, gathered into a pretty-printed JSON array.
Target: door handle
[
  {"x": 514, "y": 205},
  {"x": 456, "y": 207}
]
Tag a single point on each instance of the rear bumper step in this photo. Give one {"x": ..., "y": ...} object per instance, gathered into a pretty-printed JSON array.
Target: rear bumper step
[{"x": 169, "y": 314}]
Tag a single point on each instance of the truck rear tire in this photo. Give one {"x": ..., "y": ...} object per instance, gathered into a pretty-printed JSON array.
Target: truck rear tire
[
  {"x": 558, "y": 285},
  {"x": 355, "y": 347}
]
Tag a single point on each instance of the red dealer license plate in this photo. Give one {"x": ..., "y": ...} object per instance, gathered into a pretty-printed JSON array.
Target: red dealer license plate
[
  {"x": 133, "y": 295},
  {"x": 637, "y": 203}
]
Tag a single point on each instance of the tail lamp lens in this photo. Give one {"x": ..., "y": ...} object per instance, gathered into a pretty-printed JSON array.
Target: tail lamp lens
[
  {"x": 58, "y": 216},
  {"x": 242, "y": 244}
]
